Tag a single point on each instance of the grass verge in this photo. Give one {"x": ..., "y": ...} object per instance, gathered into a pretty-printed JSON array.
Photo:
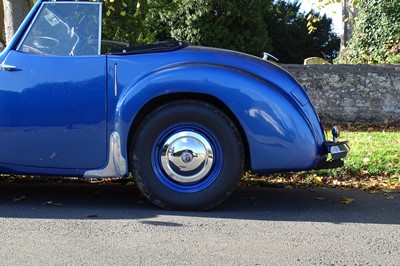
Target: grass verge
[{"x": 373, "y": 163}]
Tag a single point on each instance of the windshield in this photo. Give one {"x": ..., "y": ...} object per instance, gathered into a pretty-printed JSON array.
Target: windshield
[{"x": 65, "y": 29}]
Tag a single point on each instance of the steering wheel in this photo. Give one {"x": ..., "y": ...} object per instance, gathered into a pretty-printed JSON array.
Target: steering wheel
[{"x": 44, "y": 42}]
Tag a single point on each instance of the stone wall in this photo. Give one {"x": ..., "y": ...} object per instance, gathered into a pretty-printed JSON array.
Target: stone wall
[{"x": 361, "y": 94}]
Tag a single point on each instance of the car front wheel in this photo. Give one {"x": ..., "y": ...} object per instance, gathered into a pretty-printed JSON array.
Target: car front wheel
[{"x": 187, "y": 155}]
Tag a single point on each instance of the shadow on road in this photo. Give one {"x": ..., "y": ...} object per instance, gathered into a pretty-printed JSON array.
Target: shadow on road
[{"x": 88, "y": 201}]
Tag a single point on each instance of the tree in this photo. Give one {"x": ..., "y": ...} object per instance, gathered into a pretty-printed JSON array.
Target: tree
[
  {"x": 14, "y": 13},
  {"x": 236, "y": 25},
  {"x": 291, "y": 40},
  {"x": 2, "y": 33},
  {"x": 128, "y": 21},
  {"x": 243, "y": 25},
  {"x": 376, "y": 37},
  {"x": 376, "y": 33},
  {"x": 349, "y": 14}
]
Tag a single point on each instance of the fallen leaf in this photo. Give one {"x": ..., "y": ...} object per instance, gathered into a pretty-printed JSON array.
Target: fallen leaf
[
  {"x": 320, "y": 198},
  {"x": 365, "y": 160},
  {"x": 346, "y": 200},
  {"x": 318, "y": 180},
  {"x": 15, "y": 199},
  {"x": 390, "y": 197},
  {"x": 51, "y": 203},
  {"x": 349, "y": 125}
]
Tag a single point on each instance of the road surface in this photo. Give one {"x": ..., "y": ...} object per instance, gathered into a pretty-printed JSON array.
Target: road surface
[{"x": 84, "y": 224}]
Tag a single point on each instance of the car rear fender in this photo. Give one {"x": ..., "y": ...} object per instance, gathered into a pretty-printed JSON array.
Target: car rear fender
[{"x": 276, "y": 128}]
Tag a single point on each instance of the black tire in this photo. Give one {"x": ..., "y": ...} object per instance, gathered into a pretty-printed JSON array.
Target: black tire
[{"x": 187, "y": 155}]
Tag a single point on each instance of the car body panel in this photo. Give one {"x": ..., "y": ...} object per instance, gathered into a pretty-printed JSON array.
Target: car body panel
[
  {"x": 278, "y": 134},
  {"x": 61, "y": 119}
]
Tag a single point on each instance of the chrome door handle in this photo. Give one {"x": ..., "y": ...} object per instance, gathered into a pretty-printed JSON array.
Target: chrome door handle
[{"x": 7, "y": 67}]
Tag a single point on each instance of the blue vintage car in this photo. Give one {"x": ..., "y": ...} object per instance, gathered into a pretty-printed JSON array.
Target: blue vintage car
[{"x": 184, "y": 120}]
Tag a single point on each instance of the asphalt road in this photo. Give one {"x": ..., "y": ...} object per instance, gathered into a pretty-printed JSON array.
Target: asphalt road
[{"x": 76, "y": 224}]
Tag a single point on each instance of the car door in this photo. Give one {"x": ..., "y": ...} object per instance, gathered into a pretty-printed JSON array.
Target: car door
[{"x": 53, "y": 92}]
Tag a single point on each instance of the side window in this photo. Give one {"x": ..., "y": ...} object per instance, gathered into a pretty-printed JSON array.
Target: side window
[{"x": 65, "y": 29}]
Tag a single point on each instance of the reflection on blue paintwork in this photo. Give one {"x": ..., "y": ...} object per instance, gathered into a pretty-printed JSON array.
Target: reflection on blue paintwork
[{"x": 61, "y": 120}]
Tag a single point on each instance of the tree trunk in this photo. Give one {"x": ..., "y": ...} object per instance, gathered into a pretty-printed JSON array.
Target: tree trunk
[
  {"x": 349, "y": 13},
  {"x": 2, "y": 33},
  {"x": 14, "y": 13}
]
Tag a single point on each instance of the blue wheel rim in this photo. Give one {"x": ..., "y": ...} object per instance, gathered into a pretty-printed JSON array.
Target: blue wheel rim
[{"x": 175, "y": 184}]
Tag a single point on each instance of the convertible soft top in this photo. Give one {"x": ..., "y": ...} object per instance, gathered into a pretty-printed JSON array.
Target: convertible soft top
[{"x": 151, "y": 48}]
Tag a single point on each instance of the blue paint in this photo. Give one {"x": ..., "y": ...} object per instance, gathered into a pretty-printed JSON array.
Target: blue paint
[{"x": 53, "y": 111}]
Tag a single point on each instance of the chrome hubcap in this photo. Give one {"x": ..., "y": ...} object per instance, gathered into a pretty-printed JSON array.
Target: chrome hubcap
[{"x": 186, "y": 157}]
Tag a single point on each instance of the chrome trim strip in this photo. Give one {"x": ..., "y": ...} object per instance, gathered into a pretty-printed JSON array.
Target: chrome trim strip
[
  {"x": 100, "y": 27},
  {"x": 7, "y": 67},
  {"x": 115, "y": 81},
  {"x": 116, "y": 166}
]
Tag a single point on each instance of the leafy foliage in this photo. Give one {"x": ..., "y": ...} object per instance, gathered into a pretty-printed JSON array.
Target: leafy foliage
[
  {"x": 236, "y": 25},
  {"x": 376, "y": 37},
  {"x": 291, "y": 40},
  {"x": 318, "y": 5},
  {"x": 126, "y": 21},
  {"x": 251, "y": 26}
]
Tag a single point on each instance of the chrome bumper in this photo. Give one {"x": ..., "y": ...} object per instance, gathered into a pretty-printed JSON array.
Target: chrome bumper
[{"x": 338, "y": 151}]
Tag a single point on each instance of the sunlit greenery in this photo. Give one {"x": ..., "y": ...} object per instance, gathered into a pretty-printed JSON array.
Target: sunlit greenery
[
  {"x": 251, "y": 26},
  {"x": 376, "y": 36},
  {"x": 373, "y": 163},
  {"x": 372, "y": 154},
  {"x": 291, "y": 40}
]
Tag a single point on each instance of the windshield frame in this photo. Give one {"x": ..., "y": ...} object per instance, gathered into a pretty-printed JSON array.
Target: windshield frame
[{"x": 45, "y": 4}]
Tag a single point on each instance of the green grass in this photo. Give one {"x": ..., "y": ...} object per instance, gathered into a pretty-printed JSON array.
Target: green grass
[
  {"x": 373, "y": 163},
  {"x": 372, "y": 154}
]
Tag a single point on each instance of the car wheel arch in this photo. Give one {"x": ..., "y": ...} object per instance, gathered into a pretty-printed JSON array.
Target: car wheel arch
[{"x": 173, "y": 97}]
